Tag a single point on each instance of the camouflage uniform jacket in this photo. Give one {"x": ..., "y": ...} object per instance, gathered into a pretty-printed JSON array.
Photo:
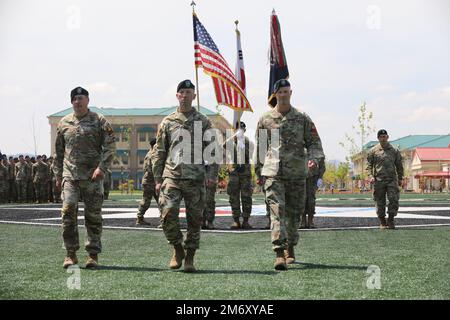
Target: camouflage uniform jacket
[
  {"x": 3, "y": 175},
  {"x": 385, "y": 164},
  {"x": 241, "y": 169},
  {"x": 11, "y": 171},
  {"x": 148, "y": 174},
  {"x": 22, "y": 171},
  {"x": 82, "y": 145},
  {"x": 40, "y": 172},
  {"x": 286, "y": 159},
  {"x": 167, "y": 155}
]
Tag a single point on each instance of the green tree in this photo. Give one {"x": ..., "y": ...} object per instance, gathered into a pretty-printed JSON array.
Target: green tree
[
  {"x": 342, "y": 174},
  {"x": 355, "y": 145}
]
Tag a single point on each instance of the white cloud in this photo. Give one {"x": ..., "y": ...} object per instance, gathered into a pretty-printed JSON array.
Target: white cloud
[
  {"x": 11, "y": 90},
  {"x": 101, "y": 87},
  {"x": 429, "y": 114}
]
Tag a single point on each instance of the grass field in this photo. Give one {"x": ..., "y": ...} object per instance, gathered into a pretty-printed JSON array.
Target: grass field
[
  {"x": 414, "y": 264},
  {"x": 411, "y": 199}
]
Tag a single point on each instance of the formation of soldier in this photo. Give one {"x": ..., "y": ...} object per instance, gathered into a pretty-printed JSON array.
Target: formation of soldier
[
  {"x": 27, "y": 180},
  {"x": 289, "y": 162}
]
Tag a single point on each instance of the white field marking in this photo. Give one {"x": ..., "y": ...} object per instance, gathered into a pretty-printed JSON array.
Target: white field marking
[
  {"x": 229, "y": 231},
  {"x": 260, "y": 210}
]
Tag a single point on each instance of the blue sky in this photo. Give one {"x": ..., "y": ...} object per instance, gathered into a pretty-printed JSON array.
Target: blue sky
[{"x": 392, "y": 54}]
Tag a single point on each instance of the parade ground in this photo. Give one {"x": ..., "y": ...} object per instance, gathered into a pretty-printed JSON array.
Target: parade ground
[{"x": 346, "y": 257}]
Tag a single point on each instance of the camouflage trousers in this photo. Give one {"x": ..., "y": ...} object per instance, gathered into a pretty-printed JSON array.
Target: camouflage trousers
[
  {"x": 31, "y": 197},
  {"x": 148, "y": 194},
  {"x": 239, "y": 190},
  {"x": 286, "y": 199},
  {"x": 22, "y": 187},
  {"x": 209, "y": 213},
  {"x": 383, "y": 189},
  {"x": 3, "y": 192},
  {"x": 40, "y": 189},
  {"x": 12, "y": 191},
  {"x": 193, "y": 192},
  {"x": 310, "y": 202},
  {"x": 92, "y": 192}
]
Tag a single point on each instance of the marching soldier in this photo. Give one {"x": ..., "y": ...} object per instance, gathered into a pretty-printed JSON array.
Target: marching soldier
[
  {"x": 107, "y": 184},
  {"x": 56, "y": 191},
  {"x": 209, "y": 213},
  {"x": 30, "y": 187},
  {"x": 385, "y": 170},
  {"x": 12, "y": 193},
  {"x": 85, "y": 147},
  {"x": 3, "y": 182},
  {"x": 183, "y": 174},
  {"x": 240, "y": 187},
  {"x": 148, "y": 184},
  {"x": 281, "y": 166}
]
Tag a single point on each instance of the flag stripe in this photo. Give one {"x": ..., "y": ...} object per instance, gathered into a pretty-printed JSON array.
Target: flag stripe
[{"x": 227, "y": 87}]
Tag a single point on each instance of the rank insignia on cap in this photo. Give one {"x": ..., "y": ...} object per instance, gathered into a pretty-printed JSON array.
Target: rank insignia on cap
[
  {"x": 79, "y": 90},
  {"x": 187, "y": 83}
]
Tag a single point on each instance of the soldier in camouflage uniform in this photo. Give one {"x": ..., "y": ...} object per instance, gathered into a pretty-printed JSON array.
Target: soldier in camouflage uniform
[
  {"x": 12, "y": 191},
  {"x": 209, "y": 212},
  {"x": 23, "y": 171},
  {"x": 85, "y": 146},
  {"x": 240, "y": 187},
  {"x": 148, "y": 184},
  {"x": 31, "y": 197},
  {"x": 56, "y": 191},
  {"x": 314, "y": 174},
  {"x": 385, "y": 170},
  {"x": 183, "y": 173},
  {"x": 283, "y": 169},
  {"x": 40, "y": 180},
  {"x": 3, "y": 183}
]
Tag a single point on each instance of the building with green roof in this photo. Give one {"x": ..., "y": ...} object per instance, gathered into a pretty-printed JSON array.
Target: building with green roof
[{"x": 407, "y": 145}]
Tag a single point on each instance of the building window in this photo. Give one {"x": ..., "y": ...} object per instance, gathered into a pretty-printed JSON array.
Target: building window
[
  {"x": 124, "y": 136},
  {"x": 142, "y": 136},
  {"x": 141, "y": 159},
  {"x": 125, "y": 160}
]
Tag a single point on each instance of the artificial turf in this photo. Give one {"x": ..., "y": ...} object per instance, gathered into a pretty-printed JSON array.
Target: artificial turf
[{"x": 414, "y": 264}]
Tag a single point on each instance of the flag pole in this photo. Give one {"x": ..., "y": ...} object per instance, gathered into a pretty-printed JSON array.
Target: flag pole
[{"x": 196, "y": 68}]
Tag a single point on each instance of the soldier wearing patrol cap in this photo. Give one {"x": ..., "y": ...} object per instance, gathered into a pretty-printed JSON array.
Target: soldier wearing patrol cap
[
  {"x": 148, "y": 184},
  {"x": 240, "y": 188},
  {"x": 85, "y": 146},
  {"x": 385, "y": 170},
  {"x": 282, "y": 168},
  {"x": 178, "y": 176}
]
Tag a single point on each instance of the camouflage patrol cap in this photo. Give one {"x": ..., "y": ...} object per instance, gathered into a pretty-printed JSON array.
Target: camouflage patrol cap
[
  {"x": 185, "y": 84},
  {"x": 381, "y": 131},
  {"x": 78, "y": 91},
  {"x": 280, "y": 84}
]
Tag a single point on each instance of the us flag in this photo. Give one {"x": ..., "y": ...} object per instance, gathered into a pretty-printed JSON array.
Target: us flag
[{"x": 207, "y": 56}]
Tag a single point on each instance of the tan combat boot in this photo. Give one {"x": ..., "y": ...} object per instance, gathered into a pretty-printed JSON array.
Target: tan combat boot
[
  {"x": 246, "y": 225},
  {"x": 141, "y": 222},
  {"x": 236, "y": 224},
  {"x": 383, "y": 224},
  {"x": 311, "y": 221},
  {"x": 390, "y": 222},
  {"x": 289, "y": 255},
  {"x": 189, "y": 261},
  {"x": 178, "y": 256},
  {"x": 92, "y": 261},
  {"x": 70, "y": 260},
  {"x": 280, "y": 260}
]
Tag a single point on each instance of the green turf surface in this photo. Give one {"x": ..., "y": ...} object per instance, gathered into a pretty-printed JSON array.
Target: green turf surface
[
  {"x": 351, "y": 200},
  {"x": 414, "y": 264}
]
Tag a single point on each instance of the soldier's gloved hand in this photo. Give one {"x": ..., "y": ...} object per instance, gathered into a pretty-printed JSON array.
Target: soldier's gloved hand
[{"x": 97, "y": 175}]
